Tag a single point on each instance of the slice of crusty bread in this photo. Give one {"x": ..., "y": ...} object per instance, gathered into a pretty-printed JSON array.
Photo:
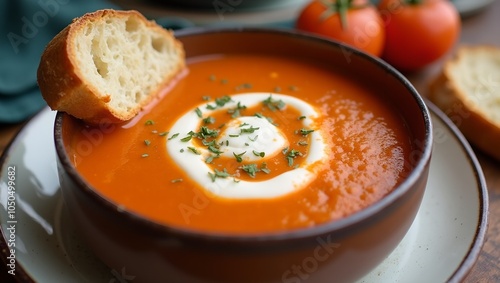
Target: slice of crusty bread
[
  {"x": 468, "y": 91},
  {"x": 107, "y": 65}
]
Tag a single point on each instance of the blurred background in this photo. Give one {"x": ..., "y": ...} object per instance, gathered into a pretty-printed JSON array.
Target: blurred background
[{"x": 28, "y": 25}]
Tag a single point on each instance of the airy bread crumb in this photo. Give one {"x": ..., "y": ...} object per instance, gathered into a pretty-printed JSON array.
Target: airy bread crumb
[
  {"x": 468, "y": 91},
  {"x": 108, "y": 65}
]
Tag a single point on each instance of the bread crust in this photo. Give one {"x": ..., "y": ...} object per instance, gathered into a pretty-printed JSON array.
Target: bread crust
[
  {"x": 63, "y": 85},
  {"x": 456, "y": 103}
]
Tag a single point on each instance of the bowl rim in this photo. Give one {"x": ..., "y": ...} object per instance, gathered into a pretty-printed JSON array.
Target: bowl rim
[{"x": 343, "y": 225}]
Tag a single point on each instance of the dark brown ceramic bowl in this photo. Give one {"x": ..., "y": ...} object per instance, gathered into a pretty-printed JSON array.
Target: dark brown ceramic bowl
[{"x": 340, "y": 251}]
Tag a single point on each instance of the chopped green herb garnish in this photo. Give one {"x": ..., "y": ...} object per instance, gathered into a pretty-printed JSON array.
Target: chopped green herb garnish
[
  {"x": 181, "y": 150},
  {"x": 246, "y": 144},
  {"x": 244, "y": 124},
  {"x": 273, "y": 104},
  {"x": 249, "y": 130},
  {"x": 207, "y": 132},
  {"x": 304, "y": 132},
  {"x": 301, "y": 118},
  {"x": 221, "y": 101},
  {"x": 211, "y": 158},
  {"x": 235, "y": 112},
  {"x": 173, "y": 136},
  {"x": 209, "y": 120},
  {"x": 251, "y": 169},
  {"x": 186, "y": 138},
  {"x": 254, "y": 138},
  {"x": 163, "y": 134},
  {"x": 147, "y": 142},
  {"x": 176, "y": 180},
  {"x": 291, "y": 155},
  {"x": 208, "y": 143},
  {"x": 212, "y": 176},
  {"x": 290, "y": 160},
  {"x": 259, "y": 115},
  {"x": 256, "y": 153},
  {"x": 221, "y": 174},
  {"x": 194, "y": 150},
  {"x": 303, "y": 143},
  {"x": 198, "y": 112},
  {"x": 149, "y": 122},
  {"x": 285, "y": 150},
  {"x": 238, "y": 156},
  {"x": 243, "y": 86},
  {"x": 270, "y": 120},
  {"x": 234, "y": 136},
  {"x": 206, "y": 98},
  {"x": 211, "y": 107},
  {"x": 214, "y": 149},
  {"x": 294, "y": 153},
  {"x": 264, "y": 168},
  {"x": 218, "y": 174}
]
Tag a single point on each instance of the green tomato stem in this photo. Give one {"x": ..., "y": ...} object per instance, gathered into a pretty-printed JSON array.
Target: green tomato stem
[
  {"x": 341, "y": 7},
  {"x": 413, "y": 2}
]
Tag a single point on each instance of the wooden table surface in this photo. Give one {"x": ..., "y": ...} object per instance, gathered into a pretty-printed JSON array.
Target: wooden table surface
[{"x": 480, "y": 28}]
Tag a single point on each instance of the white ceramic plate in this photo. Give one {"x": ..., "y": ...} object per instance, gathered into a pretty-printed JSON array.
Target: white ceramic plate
[
  {"x": 442, "y": 244},
  {"x": 283, "y": 12},
  {"x": 470, "y": 7}
]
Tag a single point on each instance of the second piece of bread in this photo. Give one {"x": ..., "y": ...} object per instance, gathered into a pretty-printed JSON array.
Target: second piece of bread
[
  {"x": 468, "y": 91},
  {"x": 107, "y": 65}
]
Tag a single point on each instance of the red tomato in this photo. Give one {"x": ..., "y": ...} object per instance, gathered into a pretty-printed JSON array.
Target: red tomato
[
  {"x": 356, "y": 23},
  {"x": 418, "y": 32}
]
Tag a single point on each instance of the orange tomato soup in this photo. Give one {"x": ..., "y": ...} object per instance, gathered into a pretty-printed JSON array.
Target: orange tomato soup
[{"x": 366, "y": 139}]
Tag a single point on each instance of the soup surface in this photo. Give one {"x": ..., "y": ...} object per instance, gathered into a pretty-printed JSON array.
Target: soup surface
[{"x": 250, "y": 143}]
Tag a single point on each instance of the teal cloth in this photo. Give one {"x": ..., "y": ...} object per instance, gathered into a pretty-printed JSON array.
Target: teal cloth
[{"x": 26, "y": 27}]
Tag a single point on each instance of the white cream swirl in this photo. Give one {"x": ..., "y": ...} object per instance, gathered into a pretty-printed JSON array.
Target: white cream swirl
[{"x": 265, "y": 137}]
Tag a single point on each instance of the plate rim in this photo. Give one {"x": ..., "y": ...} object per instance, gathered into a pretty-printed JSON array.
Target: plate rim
[
  {"x": 21, "y": 274},
  {"x": 476, "y": 246},
  {"x": 462, "y": 270}
]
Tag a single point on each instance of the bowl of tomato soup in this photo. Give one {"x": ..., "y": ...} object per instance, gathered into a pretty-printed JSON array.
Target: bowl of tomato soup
[{"x": 276, "y": 156}]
